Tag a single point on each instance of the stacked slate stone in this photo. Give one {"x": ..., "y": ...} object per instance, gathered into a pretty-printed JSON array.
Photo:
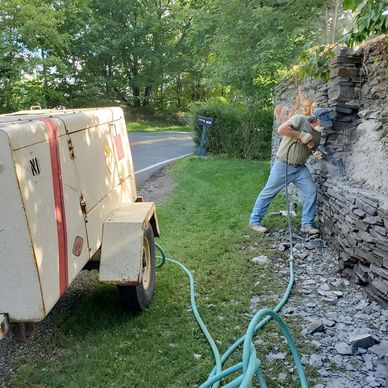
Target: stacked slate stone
[
  {"x": 374, "y": 110},
  {"x": 355, "y": 221},
  {"x": 343, "y": 91},
  {"x": 353, "y": 216}
]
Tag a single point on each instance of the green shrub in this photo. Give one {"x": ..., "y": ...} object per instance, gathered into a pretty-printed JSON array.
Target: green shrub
[
  {"x": 257, "y": 134},
  {"x": 238, "y": 131}
]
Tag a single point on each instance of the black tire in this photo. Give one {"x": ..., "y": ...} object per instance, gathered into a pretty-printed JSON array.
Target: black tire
[{"x": 137, "y": 298}]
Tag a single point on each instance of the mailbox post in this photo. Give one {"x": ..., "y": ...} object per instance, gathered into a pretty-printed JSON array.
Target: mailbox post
[{"x": 205, "y": 122}]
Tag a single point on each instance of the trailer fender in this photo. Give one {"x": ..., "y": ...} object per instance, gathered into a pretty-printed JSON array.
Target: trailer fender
[{"x": 122, "y": 243}]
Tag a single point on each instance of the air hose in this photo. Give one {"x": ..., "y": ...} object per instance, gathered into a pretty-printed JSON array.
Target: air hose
[{"x": 250, "y": 364}]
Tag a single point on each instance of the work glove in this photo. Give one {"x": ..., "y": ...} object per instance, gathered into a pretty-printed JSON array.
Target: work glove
[
  {"x": 305, "y": 137},
  {"x": 319, "y": 128},
  {"x": 317, "y": 154}
]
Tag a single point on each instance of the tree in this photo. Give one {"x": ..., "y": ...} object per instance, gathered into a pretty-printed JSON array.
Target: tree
[
  {"x": 250, "y": 41},
  {"x": 31, "y": 50},
  {"x": 335, "y": 22},
  {"x": 11, "y": 55},
  {"x": 371, "y": 19},
  {"x": 126, "y": 48},
  {"x": 163, "y": 53}
]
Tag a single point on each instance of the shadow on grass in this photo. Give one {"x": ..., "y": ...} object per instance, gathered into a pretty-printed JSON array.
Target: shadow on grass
[
  {"x": 156, "y": 126},
  {"x": 88, "y": 309}
]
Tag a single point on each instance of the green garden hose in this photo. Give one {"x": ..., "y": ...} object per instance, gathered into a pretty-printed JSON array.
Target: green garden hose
[{"x": 250, "y": 365}]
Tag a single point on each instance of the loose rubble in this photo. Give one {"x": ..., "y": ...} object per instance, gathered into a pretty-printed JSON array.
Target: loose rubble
[
  {"x": 261, "y": 260},
  {"x": 348, "y": 332}
]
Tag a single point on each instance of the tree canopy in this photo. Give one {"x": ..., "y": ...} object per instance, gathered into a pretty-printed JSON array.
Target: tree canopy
[{"x": 162, "y": 54}]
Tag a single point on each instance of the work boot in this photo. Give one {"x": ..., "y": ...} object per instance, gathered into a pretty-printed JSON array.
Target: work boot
[
  {"x": 258, "y": 228},
  {"x": 309, "y": 229}
]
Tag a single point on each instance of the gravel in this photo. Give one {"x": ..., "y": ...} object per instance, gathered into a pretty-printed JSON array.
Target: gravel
[
  {"x": 347, "y": 331},
  {"x": 10, "y": 351}
]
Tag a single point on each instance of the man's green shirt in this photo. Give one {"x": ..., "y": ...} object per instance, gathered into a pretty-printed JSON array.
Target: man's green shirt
[{"x": 299, "y": 153}]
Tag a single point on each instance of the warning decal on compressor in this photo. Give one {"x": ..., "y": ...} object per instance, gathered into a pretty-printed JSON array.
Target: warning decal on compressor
[
  {"x": 119, "y": 147},
  {"x": 35, "y": 168}
]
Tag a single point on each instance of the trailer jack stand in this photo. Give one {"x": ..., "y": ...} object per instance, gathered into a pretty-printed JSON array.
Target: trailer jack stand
[
  {"x": 22, "y": 331},
  {"x": 4, "y": 325}
]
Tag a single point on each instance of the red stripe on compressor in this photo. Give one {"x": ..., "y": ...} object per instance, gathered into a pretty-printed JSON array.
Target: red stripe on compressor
[{"x": 59, "y": 203}]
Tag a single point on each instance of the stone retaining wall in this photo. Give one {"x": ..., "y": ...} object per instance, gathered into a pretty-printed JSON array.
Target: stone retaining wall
[{"x": 353, "y": 185}]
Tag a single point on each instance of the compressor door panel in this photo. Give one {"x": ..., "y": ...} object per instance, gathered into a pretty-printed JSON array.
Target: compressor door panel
[
  {"x": 51, "y": 196},
  {"x": 104, "y": 167},
  {"x": 20, "y": 292}
]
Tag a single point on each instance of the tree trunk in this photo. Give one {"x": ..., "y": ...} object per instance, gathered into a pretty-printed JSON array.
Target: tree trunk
[
  {"x": 136, "y": 96},
  {"x": 135, "y": 89},
  {"x": 45, "y": 80},
  {"x": 108, "y": 74},
  {"x": 335, "y": 20},
  {"x": 178, "y": 92},
  {"x": 326, "y": 26},
  {"x": 147, "y": 95}
]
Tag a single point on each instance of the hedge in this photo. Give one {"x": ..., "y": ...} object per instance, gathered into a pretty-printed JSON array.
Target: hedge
[{"x": 237, "y": 132}]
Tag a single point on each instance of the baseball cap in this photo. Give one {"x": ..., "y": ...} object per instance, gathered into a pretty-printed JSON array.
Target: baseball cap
[{"x": 323, "y": 115}]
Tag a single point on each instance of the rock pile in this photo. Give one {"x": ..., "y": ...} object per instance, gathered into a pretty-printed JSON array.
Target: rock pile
[{"x": 348, "y": 332}]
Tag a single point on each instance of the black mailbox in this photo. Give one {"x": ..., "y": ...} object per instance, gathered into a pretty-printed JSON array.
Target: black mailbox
[
  {"x": 208, "y": 121},
  {"x": 205, "y": 122}
]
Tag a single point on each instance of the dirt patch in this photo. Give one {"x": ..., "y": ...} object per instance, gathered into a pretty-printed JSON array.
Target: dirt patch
[{"x": 156, "y": 189}]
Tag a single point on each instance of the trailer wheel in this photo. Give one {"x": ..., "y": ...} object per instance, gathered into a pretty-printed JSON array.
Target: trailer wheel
[{"x": 137, "y": 298}]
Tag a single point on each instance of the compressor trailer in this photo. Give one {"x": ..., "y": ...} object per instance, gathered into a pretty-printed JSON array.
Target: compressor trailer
[{"x": 69, "y": 202}]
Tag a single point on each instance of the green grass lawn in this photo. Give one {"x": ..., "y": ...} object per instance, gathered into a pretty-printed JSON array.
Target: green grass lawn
[
  {"x": 205, "y": 225},
  {"x": 155, "y": 126}
]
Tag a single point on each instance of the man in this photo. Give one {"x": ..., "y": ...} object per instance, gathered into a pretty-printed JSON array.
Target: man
[
  {"x": 299, "y": 129},
  {"x": 307, "y": 107}
]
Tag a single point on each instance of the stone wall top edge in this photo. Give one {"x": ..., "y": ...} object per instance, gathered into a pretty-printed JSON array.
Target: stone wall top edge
[{"x": 372, "y": 44}]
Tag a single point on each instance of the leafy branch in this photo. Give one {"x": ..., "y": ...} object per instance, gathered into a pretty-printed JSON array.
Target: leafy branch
[
  {"x": 314, "y": 62},
  {"x": 371, "y": 19}
]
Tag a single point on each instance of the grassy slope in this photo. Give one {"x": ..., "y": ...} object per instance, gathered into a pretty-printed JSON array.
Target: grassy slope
[
  {"x": 155, "y": 126},
  {"x": 204, "y": 224}
]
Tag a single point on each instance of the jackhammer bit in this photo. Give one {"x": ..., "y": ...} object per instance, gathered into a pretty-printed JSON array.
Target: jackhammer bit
[{"x": 317, "y": 153}]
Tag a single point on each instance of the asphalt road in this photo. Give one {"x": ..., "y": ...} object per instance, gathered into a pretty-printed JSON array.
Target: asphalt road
[{"x": 153, "y": 150}]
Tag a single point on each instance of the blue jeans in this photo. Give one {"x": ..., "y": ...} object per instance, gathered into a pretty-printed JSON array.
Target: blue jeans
[{"x": 302, "y": 179}]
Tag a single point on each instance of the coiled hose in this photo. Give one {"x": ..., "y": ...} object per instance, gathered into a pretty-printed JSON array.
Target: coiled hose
[{"x": 250, "y": 364}]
